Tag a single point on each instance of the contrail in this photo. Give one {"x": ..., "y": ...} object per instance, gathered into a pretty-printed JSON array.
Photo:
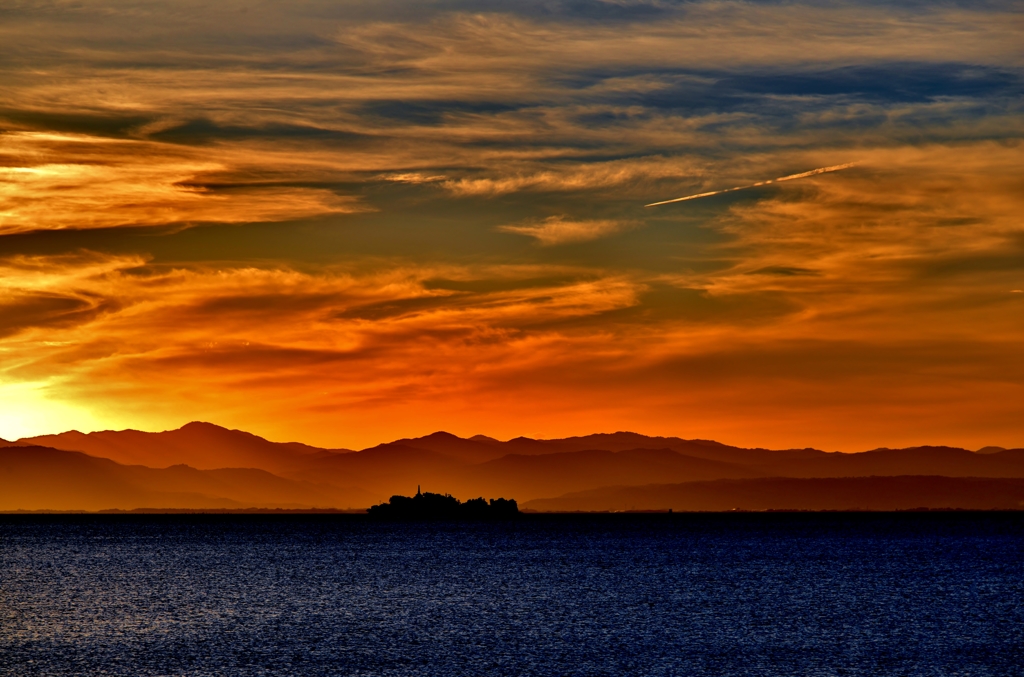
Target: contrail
[{"x": 801, "y": 175}]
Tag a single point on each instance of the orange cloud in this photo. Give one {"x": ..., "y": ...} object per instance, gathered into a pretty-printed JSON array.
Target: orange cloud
[
  {"x": 61, "y": 181},
  {"x": 561, "y": 230},
  {"x": 853, "y": 310},
  {"x": 303, "y": 341}
]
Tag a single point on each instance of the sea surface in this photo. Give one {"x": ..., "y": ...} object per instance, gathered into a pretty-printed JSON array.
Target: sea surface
[{"x": 700, "y": 594}]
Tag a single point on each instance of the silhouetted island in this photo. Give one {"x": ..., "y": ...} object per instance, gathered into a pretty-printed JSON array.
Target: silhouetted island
[{"x": 444, "y": 506}]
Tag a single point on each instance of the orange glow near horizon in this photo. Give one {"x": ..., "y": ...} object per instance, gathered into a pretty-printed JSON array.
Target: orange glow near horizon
[{"x": 363, "y": 228}]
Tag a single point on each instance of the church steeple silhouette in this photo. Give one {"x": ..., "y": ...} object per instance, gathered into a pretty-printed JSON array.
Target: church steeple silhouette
[{"x": 418, "y": 490}]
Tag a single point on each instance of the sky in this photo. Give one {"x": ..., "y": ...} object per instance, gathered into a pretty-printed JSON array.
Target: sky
[{"x": 348, "y": 222}]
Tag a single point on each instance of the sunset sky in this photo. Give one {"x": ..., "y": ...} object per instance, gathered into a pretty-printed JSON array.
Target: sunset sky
[{"x": 349, "y": 222}]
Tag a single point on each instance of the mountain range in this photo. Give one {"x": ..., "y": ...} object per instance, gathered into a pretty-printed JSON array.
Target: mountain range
[{"x": 204, "y": 466}]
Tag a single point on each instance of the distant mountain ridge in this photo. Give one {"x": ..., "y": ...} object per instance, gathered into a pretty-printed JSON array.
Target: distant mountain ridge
[
  {"x": 41, "y": 478},
  {"x": 203, "y": 446},
  {"x": 203, "y": 457}
]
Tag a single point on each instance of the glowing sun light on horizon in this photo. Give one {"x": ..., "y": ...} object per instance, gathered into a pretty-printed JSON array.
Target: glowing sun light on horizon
[{"x": 26, "y": 411}]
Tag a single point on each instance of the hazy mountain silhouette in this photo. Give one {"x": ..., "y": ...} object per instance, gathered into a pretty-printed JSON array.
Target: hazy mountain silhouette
[
  {"x": 784, "y": 493},
  {"x": 526, "y": 468},
  {"x": 391, "y": 468},
  {"x": 946, "y": 461},
  {"x": 38, "y": 478},
  {"x": 204, "y": 446},
  {"x": 996, "y": 450},
  {"x": 620, "y": 441},
  {"x": 385, "y": 470},
  {"x": 446, "y": 444},
  {"x": 535, "y": 476}
]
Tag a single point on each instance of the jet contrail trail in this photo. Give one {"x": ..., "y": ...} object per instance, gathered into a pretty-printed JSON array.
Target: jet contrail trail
[{"x": 801, "y": 175}]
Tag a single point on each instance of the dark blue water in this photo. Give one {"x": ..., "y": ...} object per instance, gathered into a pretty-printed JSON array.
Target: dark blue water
[{"x": 743, "y": 594}]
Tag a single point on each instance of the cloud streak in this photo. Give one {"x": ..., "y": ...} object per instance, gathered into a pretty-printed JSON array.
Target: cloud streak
[{"x": 791, "y": 177}]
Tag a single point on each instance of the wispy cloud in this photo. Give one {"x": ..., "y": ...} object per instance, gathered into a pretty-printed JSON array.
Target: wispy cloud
[
  {"x": 562, "y": 230},
  {"x": 413, "y": 177},
  {"x": 62, "y": 181},
  {"x": 917, "y": 223},
  {"x": 578, "y": 175}
]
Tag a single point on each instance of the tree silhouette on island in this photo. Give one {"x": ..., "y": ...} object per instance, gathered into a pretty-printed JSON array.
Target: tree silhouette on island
[{"x": 444, "y": 506}]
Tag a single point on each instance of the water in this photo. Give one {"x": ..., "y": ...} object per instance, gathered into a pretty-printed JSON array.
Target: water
[{"x": 743, "y": 594}]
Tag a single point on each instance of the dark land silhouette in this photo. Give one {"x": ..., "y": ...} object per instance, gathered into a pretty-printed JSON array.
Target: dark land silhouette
[
  {"x": 202, "y": 465},
  {"x": 426, "y": 505},
  {"x": 904, "y": 492}
]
